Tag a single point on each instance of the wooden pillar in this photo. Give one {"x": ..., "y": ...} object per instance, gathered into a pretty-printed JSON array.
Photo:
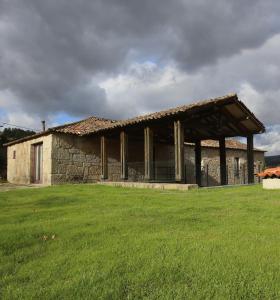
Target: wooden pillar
[
  {"x": 104, "y": 158},
  {"x": 198, "y": 162},
  {"x": 179, "y": 151},
  {"x": 223, "y": 161},
  {"x": 123, "y": 152},
  {"x": 148, "y": 153},
  {"x": 250, "y": 158}
]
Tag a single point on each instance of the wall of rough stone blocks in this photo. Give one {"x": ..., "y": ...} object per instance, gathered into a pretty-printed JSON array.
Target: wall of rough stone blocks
[
  {"x": 135, "y": 160},
  {"x": 163, "y": 164},
  {"x": 69, "y": 158},
  {"x": 211, "y": 166},
  {"x": 114, "y": 163},
  {"x": 164, "y": 161},
  {"x": 19, "y": 168},
  {"x": 75, "y": 159}
]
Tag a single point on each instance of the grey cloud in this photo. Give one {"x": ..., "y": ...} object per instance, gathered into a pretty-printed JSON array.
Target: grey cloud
[
  {"x": 253, "y": 74},
  {"x": 50, "y": 51},
  {"x": 270, "y": 141}
]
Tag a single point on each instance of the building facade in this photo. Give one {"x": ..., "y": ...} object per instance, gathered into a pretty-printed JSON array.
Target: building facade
[
  {"x": 160, "y": 147},
  {"x": 73, "y": 159}
]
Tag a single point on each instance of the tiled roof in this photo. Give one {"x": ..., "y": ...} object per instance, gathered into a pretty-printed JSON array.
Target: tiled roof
[
  {"x": 270, "y": 173},
  {"x": 93, "y": 124},
  {"x": 84, "y": 126},
  {"x": 230, "y": 144},
  {"x": 190, "y": 108},
  {"x": 170, "y": 112}
]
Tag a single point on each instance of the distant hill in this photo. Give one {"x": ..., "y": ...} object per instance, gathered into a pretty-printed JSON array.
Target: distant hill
[{"x": 272, "y": 161}]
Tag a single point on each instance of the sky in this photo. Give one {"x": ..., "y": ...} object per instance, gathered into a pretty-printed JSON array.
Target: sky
[{"x": 64, "y": 60}]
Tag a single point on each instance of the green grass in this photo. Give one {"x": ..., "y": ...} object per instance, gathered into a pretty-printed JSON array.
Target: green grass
[{"x": 115, "y": 243}]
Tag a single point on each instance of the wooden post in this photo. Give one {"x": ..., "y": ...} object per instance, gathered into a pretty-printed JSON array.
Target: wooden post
[
  {"x": 198, "y": 162},
  {"x": 123, "y": 144},
  {"x": 104, "y": 158},
  {"x": 250, "y": 158},
  {"x": 223, "y": 161},
  {"x": 179, "y": 151},
  {"x": 207, "y": 174},
  {"x": 148, "y": 153}
]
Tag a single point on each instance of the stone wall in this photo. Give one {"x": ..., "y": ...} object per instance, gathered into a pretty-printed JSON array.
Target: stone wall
[
  {"x": 75, "y": 159},
  {"x": 114, "y": 163},
  {"x": 135, "y": 160},
  {"x": 19, "y": 168},
  {"x": 164, "y": 162},
  {"x": 211, "y": 165},
  {"x": 70, "y": 158}
]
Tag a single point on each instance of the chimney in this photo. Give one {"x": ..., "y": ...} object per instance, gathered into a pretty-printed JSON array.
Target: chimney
[{"x": 44, "y": 125}]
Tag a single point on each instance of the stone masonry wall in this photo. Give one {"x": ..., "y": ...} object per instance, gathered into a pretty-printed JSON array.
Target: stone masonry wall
[
  {"x": 75, "y": 159},
  {"x": 211, "y": 165},
  {"x": 114, "y": 163},
  {"x": 135, "y": 161},
  {"x": 70, "y": 158}
]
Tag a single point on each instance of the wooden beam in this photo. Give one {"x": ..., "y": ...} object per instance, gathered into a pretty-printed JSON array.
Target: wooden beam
[
  {"x": 236, "y": 122},
  {"x": 123, "y": 152},
  {"x": 250, "y": 158},
  {"x": 179, "y": 151},
  {"x": 198, "y": 162},
  {"x": 148, "y": 153},
  {"x": 215, "y": 124},
  {"x": 104, "y": 158},
  {"x": 223, "y": 161}
]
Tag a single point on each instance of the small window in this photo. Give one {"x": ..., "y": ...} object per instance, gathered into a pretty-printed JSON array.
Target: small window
[
  {"x": 236, "y": 166},
  {"x": 14, "y": 154}
]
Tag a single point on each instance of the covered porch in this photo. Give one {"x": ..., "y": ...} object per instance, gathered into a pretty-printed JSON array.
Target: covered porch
[{"x": 151, "y": 148}]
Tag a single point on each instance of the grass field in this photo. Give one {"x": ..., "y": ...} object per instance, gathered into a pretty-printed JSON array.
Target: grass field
[{"x": 97, "y": 242}]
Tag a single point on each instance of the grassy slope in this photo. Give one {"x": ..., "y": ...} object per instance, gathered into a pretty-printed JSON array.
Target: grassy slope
[{"x": 116, "y": 243}]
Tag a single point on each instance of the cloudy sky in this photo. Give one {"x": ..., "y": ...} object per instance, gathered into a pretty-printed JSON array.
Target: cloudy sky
[{"x": 63, "y": 60}]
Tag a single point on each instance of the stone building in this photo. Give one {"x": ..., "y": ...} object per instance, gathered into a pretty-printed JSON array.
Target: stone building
[{"x": 187, "y": 144}]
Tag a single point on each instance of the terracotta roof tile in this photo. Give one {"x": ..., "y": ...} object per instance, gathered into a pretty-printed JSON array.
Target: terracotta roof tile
[
  {"x": 270, "y": 173},
  {"x": 190, "y": 108},
  {"x": 84, "y": 126},
  {"x": 169, "y": 112},
  {"x": 93, "y": 124}
]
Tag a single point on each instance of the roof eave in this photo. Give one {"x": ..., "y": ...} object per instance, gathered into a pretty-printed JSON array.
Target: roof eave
[{"x": 28, "y": 138}]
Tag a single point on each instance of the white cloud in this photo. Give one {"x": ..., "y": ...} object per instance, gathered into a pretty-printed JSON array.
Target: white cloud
[
  {"x": 270, "y": 141},
  {"x": 146, "y": 87},
  {"x": 123, "y": 58}
]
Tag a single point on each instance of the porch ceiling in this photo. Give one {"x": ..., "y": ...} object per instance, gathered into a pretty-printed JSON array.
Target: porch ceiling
[
  {"x": 211, "y": 119},
  {"x": 221, "y": 117},
  {"x": 225, "y": 120}
]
